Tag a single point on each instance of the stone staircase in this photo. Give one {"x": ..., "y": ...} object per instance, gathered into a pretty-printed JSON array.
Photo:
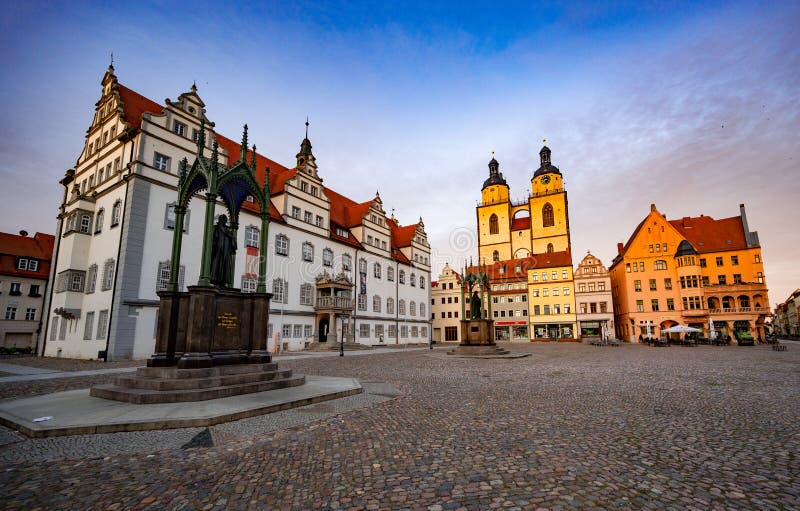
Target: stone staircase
[{"x": 173, "y": 385}]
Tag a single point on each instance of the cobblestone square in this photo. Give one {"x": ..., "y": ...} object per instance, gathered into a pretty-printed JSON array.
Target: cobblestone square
[{"x": 571, "y": 427}]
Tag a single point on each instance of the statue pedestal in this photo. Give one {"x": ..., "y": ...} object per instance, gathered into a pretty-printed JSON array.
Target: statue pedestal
[
  {"x": 208, "y": 326},
  {"x": 477, "y": 339}
]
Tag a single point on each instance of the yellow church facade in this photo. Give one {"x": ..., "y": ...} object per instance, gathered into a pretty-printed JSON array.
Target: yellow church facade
[{"x": 532, "y": 234}]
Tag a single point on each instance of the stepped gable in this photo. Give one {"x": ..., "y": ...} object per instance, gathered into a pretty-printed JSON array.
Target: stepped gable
[
  {"x": 39, "y": 247},
  {"x": 709, "y": 235}
]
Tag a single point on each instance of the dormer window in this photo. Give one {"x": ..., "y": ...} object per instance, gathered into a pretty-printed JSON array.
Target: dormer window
[
  {"x": 314, "y": 190},
  {"x": 303, "y": 186}
]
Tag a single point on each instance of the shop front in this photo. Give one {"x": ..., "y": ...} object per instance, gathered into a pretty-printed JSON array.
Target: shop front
[
  {"x": 590, "y": 328},
  {"x": 511, "y": 330},
  {"x": 553, "y": 331}
]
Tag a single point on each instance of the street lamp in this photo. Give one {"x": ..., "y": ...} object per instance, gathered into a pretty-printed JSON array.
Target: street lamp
[{"x": 341, "y": 344}]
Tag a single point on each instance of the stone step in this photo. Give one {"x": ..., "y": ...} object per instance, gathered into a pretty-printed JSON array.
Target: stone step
[
  {"x": 140, "y": 382},
  {"x": 174, "y": 372},
  {"x": 148, "y": 396}
]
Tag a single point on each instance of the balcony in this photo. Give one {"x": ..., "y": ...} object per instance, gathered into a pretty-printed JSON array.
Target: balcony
[
  {"x": 731, "y": 289},
  {"x": 338, "y": 303},
  {"x": 740, "y": 310},
  {"x": 692, "y": 313}
]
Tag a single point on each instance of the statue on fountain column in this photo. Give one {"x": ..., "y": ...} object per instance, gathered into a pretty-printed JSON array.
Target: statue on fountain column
[{"x": 223, "y": 248}]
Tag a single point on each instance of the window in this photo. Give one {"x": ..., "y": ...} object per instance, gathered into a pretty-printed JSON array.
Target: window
[
  {"x": 652, "y": 284},
  {"x": 628, "y": 267},
  {"x": 668, "y": 284},
  {"x": 306, "y": 294},
  {"x": 102, "y": 324},
  {"x": 296, "y": 212},
  {"x": 702, "y": 262},
  {"x": 402, "y": 277},
  {"x": 413, "y": 279},
  {"x": 319, "y": 221},
  {"x": 421, "y": 309},
  {"x": 760, "y": 277},
  {"x": 549, "y": 248},
  {"x": 641, "y": 266},
  {"x": 546, "y": 310},
  {"x": 282, "y": 245},
  {"x": 390, "y": 305},
  {"x": 422, "y": 282},
  {"x": 390, "y": 274},
  {"x": 86, "y": 224},
  {"x": 314, "y": 190},
  {"x": 54, "y": 328},
  {"x": 555, "y": 291},
  {"x": 654, "y": 304},
  {"x": 640, "y": 305},
  {"x": 412, "y": 308},
  {"x": 308, "y": 251},
  {"x": 108, "y": 275},
  {"x": 162, "y": 276},
  {"x": 376, "y": 303},
  {"x": 650, "y": 248},
  {"x": 161, "y": 162},
  {"x": 286, "y": 331},
  {"x": 565, "y": 291},
  {"x": 297, "y": 331},
  {"x": 327, "y": 257},
  {"x": 308, "y": 217},
  {"x": 347, "y": 262},
  {"x": 87, "y": 329},
  {"x": 603, "y": 307},
  {"x": 734, "y": 260},
  {"x": 554, "y": 275},
  {"x": 705, "y": 281},
  {"x": 362, "y": 266},
  {"x": 91, "y": 279},
  {"x": 98, "y": 222},
  {"x": 401, "y": 307},
  {"x": 536, "y": 310},
  {"x": 252, "y": 236},
  {"x": 601, "y": 286},
  {"x": 757, "y": 258},
  {"x": 76, "y": 282},
  {"x": 495, "y": 256},
  {"x": 362, "y": 302},
  {"x": 116, "y": 211},
  {"x": 737, "y": 278},
  {"x": 546, "y": 291},
  {"x": 62, "y": 331},
  {"x": 493, "y": 225},
  {"x": 30, "y": 314},
  {"x": 547, "y": 216},
  {"x": 307, "y": 331},
  {"x": 280, "y": 291},
  {"x": 179, "y": 128},
  {"x": 637, "y": 285},
  {"x": 376, "y": 270},
  {"x": 11, "y": 312},
  {"x": 719, "y": 261},
  {"x": 591, "y": 287},
  {"x": 304, "y": 186},
  {"x": 249, "y": 284},
  {"x": 34, "y": 291},
  {"x": 564, "y": 274},
  {"x": 721, "y": 280},
  {"x": 404, "y": 331},
  {"x": 660, "y": 265}
]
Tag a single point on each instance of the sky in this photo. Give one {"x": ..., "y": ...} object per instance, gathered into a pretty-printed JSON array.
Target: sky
[{"x": 694, "y": 107}]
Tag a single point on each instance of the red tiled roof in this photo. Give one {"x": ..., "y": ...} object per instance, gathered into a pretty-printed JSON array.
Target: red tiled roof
[
  {"x": 521, "y": 223},
  {"x": 346, "y": 212},
  {"x": 546, "y": 260},
  {"x": 709, "y": 235},
  {"x": 39, "y": 247},
  {"x": 134, "y": 105}
]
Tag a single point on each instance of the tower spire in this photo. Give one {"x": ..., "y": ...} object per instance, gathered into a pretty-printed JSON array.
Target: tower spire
[{"x": 306, "y": 127}]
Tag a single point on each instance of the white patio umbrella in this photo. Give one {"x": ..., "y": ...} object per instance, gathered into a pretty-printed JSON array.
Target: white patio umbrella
[{"x": 681, "y": 329}]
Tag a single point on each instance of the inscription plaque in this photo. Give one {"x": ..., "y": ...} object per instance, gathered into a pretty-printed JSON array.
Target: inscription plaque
[{"x": 227, "y": 320}]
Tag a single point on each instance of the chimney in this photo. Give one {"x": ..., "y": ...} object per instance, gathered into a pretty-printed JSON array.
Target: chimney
[
  {"x": 23, "y": 233},
  {"x": 652, "y": 207},
  {"x": 620, "y": 246}
]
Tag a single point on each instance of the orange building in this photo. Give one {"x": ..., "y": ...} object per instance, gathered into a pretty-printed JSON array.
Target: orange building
[{"x": 690, "y": 271}]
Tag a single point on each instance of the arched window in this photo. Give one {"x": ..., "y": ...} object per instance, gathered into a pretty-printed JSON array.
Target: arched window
[
  {"x": 390, "y": 305},
  {"x": 495, "y": 256},
  {"x": 116, "y": 211},
  {"x": 308, "y": 251},
  {"x": 412, "y": 308},
  {"x": 362, "y": 266},
  {"x": 401, "y": 307},
  {"x": 98, "y": 222},
  {"x": 376, "y": 303},
  {"x": 422, "y": 282},
  {"x": 327, "y": 257},
  {"x": 421, "y": 309},
  {"x": 390, "y": 274},
  {"x": 413, "y": 279},
  {"x": 376, "y": 270},
  {"x": 281, "y": 244},
  {"x": 493, "y": 228},
  {"x": 549, "y": 247},
  {"x": 547, "y": 216},
  {"x": 402, "y": 277}
]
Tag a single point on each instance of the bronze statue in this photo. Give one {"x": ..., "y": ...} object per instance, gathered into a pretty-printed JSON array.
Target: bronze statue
[
  {"x": 475, "y": 306},
  {"x": 223, "y": 248}
]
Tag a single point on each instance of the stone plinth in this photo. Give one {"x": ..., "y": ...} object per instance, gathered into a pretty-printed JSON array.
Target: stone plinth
[
  {"x": 175, "y": 385},
  {"x": 208, "y": 326},
  {"x": 477, "y": 339}
]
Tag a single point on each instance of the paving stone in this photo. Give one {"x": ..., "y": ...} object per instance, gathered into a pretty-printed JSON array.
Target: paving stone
[{"x": 571, "y": 427}]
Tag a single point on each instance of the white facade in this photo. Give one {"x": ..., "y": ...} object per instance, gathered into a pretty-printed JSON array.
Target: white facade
[{"x": 124, "y": 190}]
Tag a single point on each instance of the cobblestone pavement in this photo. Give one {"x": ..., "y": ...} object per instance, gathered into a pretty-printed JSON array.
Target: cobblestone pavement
[{"x": 572, "y": 427}]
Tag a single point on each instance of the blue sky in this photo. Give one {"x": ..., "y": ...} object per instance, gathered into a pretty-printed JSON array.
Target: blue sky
[{"x": 693, "y": 107}]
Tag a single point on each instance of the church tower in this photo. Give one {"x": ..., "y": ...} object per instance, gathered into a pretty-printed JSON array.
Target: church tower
[
  {"x": 548, "y": 208},
  {"x": 494, "y": 217}
]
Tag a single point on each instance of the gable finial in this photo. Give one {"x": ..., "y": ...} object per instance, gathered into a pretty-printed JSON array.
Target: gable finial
[
  {"x": 306, "y": 126},
  {"x": 215, "y": 157},
  {"x": 253, "y": 160},
  {"x": 244, "y": 143},
  {"x": 194, "y": 85},
  {"x": 111, "y": 64}
]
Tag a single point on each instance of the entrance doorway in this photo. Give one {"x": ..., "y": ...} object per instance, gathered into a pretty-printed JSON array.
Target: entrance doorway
[{"x": 324, "y": 325}]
